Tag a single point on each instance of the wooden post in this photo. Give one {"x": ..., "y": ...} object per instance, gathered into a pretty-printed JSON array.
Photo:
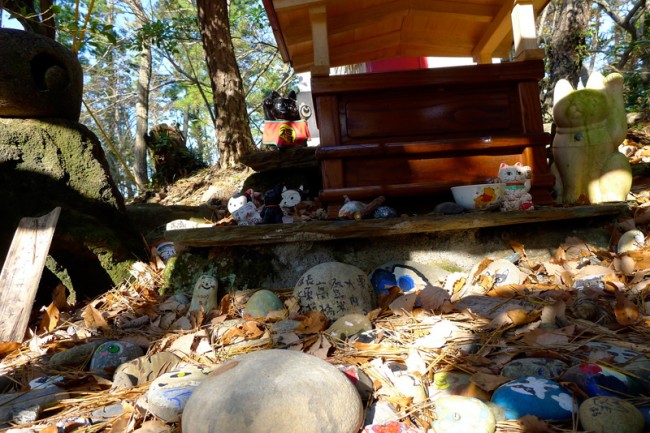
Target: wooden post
[
  {"x": 22, "y": 272},
  {"x": 524, "y": 33},
  {"x": 318, "y": 19}
]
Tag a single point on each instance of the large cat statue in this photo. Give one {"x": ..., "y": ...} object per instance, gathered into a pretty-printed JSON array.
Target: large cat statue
[{"x": 591, "y": 123}]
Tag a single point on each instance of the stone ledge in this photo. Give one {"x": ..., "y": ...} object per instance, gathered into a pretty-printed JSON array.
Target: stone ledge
[{"x": 315, "y": 231}]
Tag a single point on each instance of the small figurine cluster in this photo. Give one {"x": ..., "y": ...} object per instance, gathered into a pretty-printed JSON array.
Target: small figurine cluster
[
  {"x": 251, "y": 208},
  {"x": 516, "y": 180}
]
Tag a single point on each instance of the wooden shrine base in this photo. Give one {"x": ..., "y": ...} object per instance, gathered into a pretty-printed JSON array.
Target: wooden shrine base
[{"x": 314, "y": 231}]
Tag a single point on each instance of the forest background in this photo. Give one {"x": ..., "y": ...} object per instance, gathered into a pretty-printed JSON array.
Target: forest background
[{"x": 205, "y": 66}]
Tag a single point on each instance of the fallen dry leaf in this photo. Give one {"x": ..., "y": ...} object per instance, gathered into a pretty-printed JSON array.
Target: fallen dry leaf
[
  {"x": 59, "y": 297},
  {"x": 122, "y": 424},
  {"x": 50, "y": 318},
  {"x": 625, "y": 311},
  {"x": 433, "y": 298},
  {"x": 549, "y": 337},
  {"x": 404, "y": 304},
  {"x": 532, "y": 424},
  {"x": 514, "y": 317},
  {"x": 93, "y": 318},
  {"x": 8, "y": 347},
  {"x": 384, "y": 300},
  {"x": 312, "y": 323},
  {"x": 154, "y": 426},
  {"x": 320, "y": 348},
  {"x": 489, "y": 382}
]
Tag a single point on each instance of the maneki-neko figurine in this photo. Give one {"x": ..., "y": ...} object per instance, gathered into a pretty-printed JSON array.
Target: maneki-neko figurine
[
  {"x": 283, "y": 125},
  {"x": 516, "y": 181},
  {"x": 591, "y": 123}
]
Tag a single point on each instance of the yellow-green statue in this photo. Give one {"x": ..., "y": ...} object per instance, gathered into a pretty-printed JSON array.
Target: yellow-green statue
[{"x": 591, "y": 123}]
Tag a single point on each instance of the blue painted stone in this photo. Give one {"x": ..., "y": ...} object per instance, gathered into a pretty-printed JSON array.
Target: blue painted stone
[
  {"x": 408, "y": 275},
  {"x": 457, "y": 414},
  {"x": 262, "y": 303},
  {"x": 596, "y": 379},
  {"x": 544, "y": 367},
  {"x": 111, "y": 354},
  {"x": 385, "y": 212},
  {"x": 532, "y": 395}
]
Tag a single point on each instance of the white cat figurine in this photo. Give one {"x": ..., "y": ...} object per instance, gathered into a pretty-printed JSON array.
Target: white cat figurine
[{"x": 517, "y": 184}]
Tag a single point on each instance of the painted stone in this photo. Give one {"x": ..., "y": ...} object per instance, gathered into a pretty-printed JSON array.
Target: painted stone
[
  {"x": 109, "y": 355},
  {"x": 336, "y": 289},
  {"x": 385, "y": 212},
  {"x": 408, "y": 275},
  {"x": 274, "y": 390},
  {"x": 262, "y": 303},
  {"x": 45, "y": 382},
  {"x": 169, "y": 393},
  {"x": 537, "y": 396},
  {"x": 544, "y": 367},
  {"x": 631, "y": 361},
  {"x": 390, "y": 427},
  {"x": 144, "y": 369},
  {"x": 349, "y": 325},
  {"x": 455, "y": 383},
  {"x": 458, "y": 414},
  {"x": 631, "y": 240},
  {"x": 74, "y": 357},
  {"x": 596, "y": 379},
  {"x": 645, "y": 411},
  {"x": 604, "y": 414},
  {"x": 205, "y": 292},
  {"x": 359, "y": 379}
]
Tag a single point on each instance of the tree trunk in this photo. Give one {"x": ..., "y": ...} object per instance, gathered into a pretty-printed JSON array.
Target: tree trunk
[
  {"x": 567, "y": 48},
  {"x": 142, "y": 103},
  {"x": 233, "y": 133}
]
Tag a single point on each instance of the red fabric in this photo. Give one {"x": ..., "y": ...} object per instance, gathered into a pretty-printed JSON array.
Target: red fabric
[{"x": 284, "y": 133}]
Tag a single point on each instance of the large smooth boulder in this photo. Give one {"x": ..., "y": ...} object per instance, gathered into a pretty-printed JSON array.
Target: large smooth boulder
[
  {"x": 273, "y": 391},
  {"x": 45, "y": 163},
  {"x": 38, "y": 78}
]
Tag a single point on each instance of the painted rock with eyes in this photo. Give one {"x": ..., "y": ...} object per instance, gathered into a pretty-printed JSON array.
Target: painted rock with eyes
[
  {"x": 111, "y": 354},
  {"x": 168, "y": 394},
  {"x": 591, "y": 123},
  {"x": 534, "y": 395}
]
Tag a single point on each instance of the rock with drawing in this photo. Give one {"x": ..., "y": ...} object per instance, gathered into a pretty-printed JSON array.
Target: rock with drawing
[{"x": 533, "y": 395}]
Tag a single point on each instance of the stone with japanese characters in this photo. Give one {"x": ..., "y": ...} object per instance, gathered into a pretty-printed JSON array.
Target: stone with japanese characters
[
  {"x": 610, "y": 414},
  {"x": 336, "y": 289}
]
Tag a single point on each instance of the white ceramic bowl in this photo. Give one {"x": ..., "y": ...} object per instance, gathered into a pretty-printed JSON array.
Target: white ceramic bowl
[{"x": 483, "y": 196}]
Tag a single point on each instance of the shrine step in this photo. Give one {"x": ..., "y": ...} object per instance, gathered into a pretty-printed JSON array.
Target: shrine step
[{"x": 315, "y": 231}]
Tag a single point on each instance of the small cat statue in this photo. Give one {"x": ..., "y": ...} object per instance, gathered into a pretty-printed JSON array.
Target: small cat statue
[
  {"x": 272, "y": 212},
  {"x": 291, "y": 197},
  {"x": 278, "y": 108},
  {"x": 243, "y": 209},
  {"x": 516, "y": 179}
]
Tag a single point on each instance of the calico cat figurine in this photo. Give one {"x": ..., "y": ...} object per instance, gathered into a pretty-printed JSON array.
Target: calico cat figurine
[{"x": 278, "y": 108}]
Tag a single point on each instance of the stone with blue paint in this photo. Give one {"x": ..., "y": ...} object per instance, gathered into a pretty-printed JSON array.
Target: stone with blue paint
[
  {"x": 534, "y": 395},
  {"x": 168, "y": 394},
  {"x": 110, "y": 355},
  {"x": 595, "y": 379},
  {"x": 408, "y": 276}
]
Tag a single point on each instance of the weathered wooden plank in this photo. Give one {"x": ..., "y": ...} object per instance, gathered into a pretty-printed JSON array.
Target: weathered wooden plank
[
  {"x": 22, "y": 271},
  {"x": 330, "y": 230}
]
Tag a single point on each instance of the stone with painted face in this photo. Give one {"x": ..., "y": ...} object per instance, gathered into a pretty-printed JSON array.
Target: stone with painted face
[
  {"x": 168, "y": 394},
  {"x": 111, "y": 354},
  {"x": 205, "y": 293},
  {"x": 457, "y": 414}
]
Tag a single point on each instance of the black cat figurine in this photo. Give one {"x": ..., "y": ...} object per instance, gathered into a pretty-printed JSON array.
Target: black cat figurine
[
  {"x": 272, "y": 212},
  {"x": 278, "y": 108}
]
